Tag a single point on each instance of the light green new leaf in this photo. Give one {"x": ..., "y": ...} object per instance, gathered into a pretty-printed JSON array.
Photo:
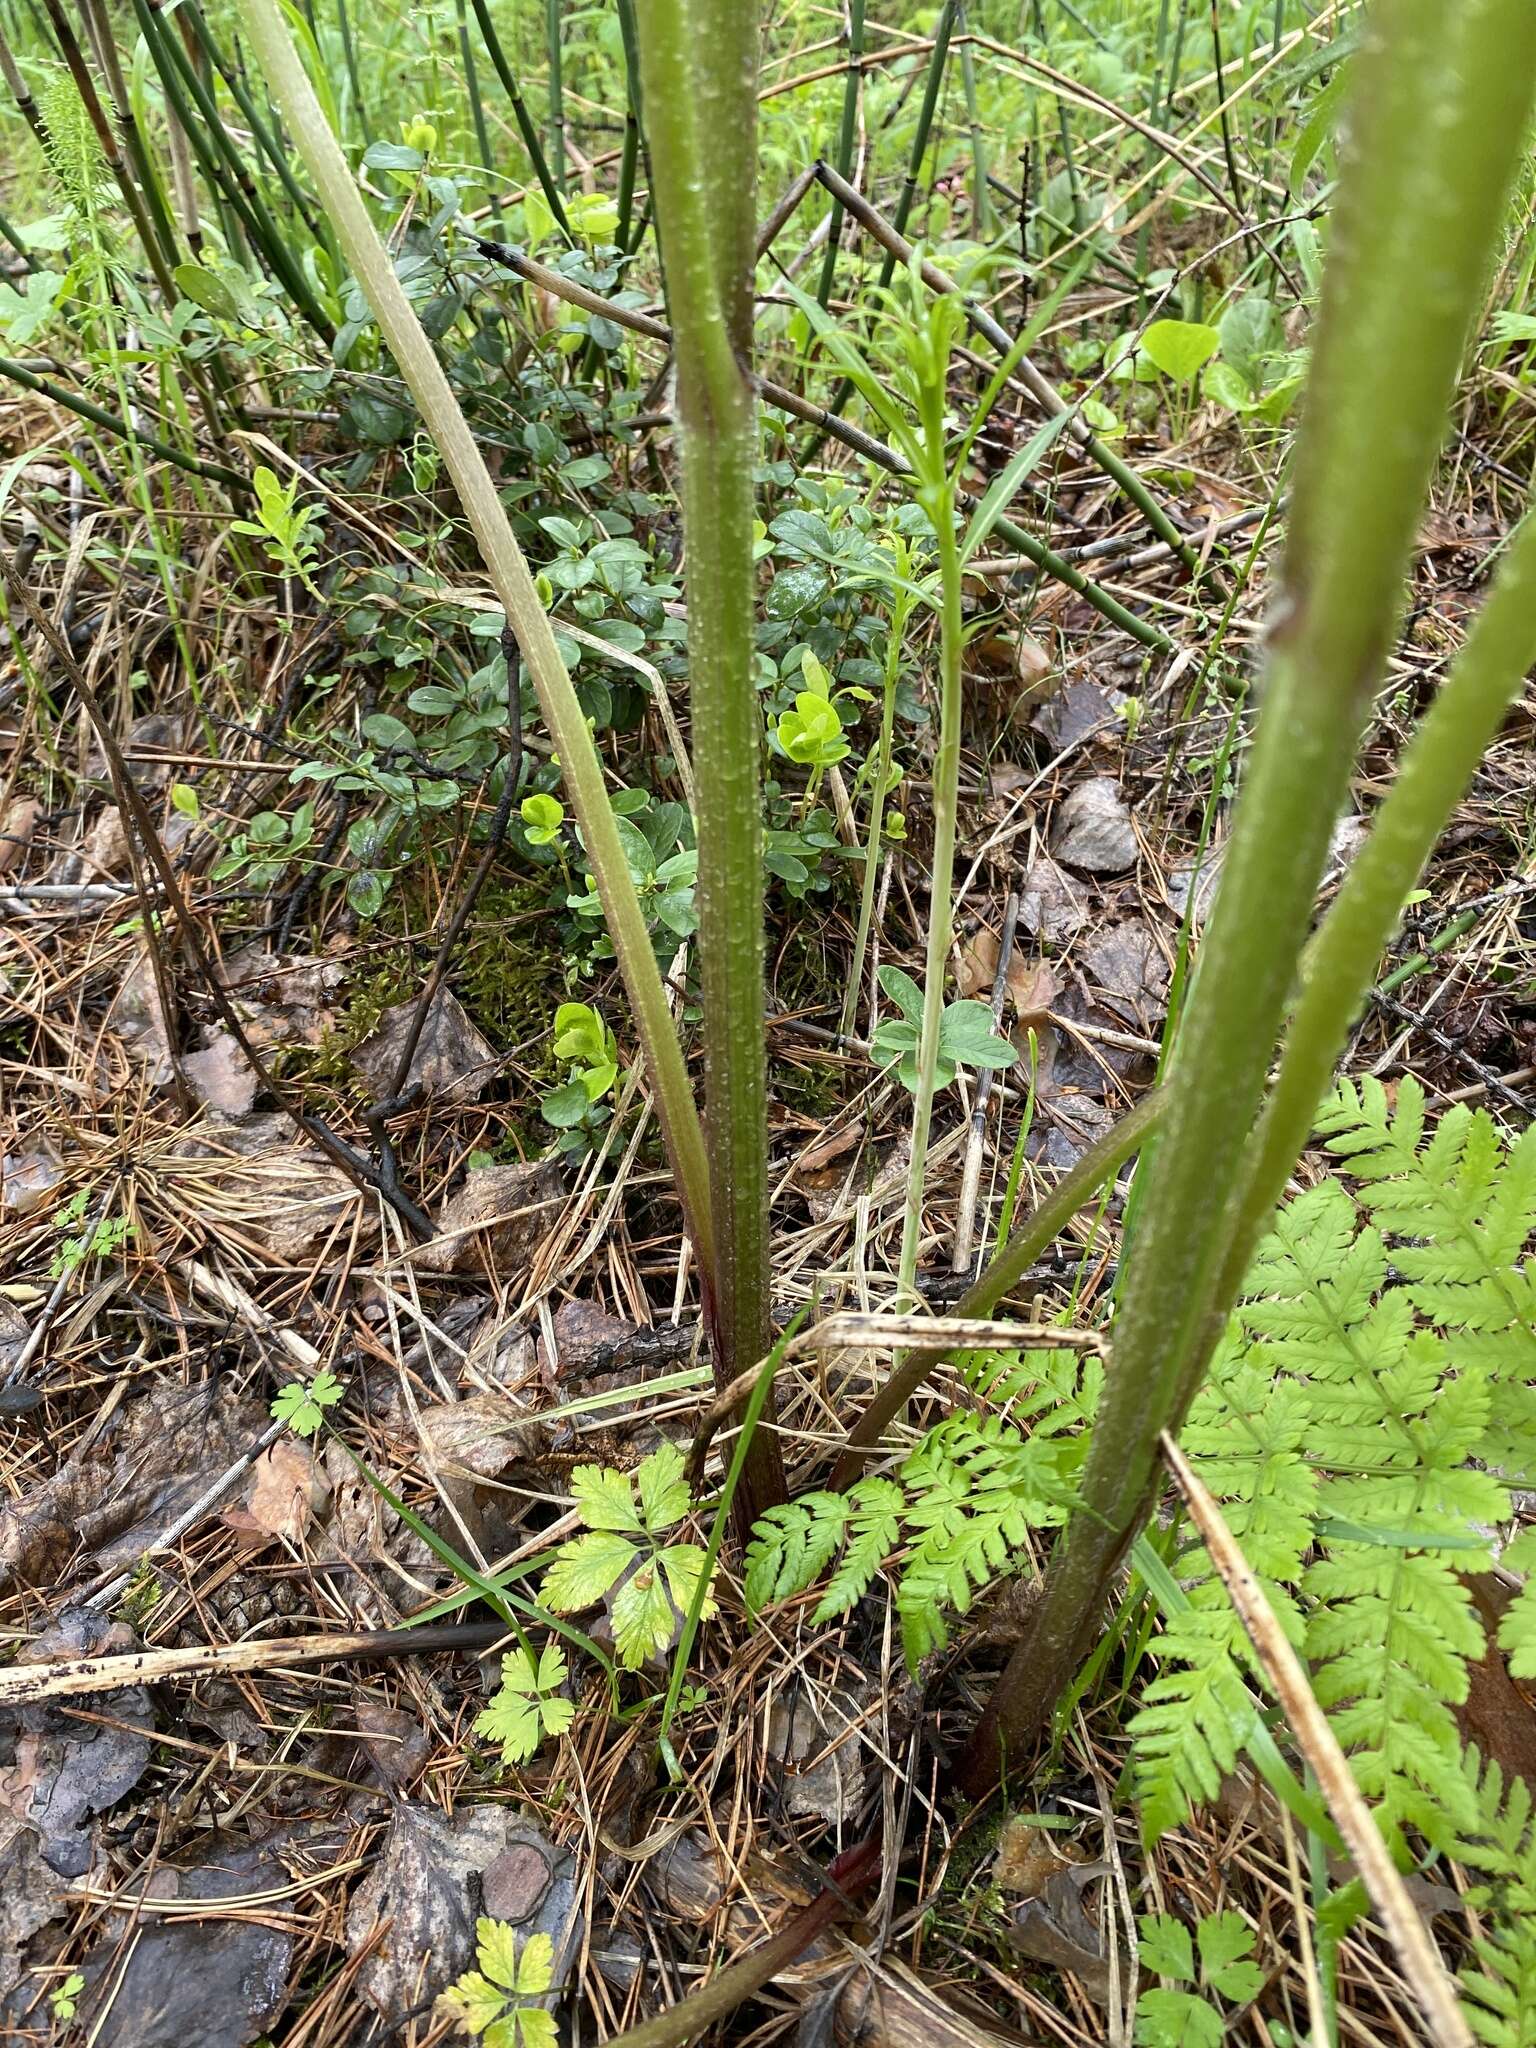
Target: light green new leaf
[
  {"x": 476, "y": 1999},
  {"x": 683, "y": 1565},
  {"x": 645, "y": 1620},
  {"x": 1179, "y": 347},
  {"x": 605, "y": 1498},
  {"x": 664, "y": 1495},
  {"x": 1225, "y": 1941},
  {"x": 1176, "y": 2019},
  {"x": 584, "y": 1569},
  {"x": 1166, "y": 1947}
]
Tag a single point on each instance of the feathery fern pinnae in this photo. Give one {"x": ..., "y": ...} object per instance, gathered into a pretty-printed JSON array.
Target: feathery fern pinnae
[
  {"x": 958, "y": 1513},
  {"x": 1362, "y": 1426},
  {"x": 1496, "y": 1838}
]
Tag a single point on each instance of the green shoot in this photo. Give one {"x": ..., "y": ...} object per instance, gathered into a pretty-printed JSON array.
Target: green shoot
[
  {"x": 529, "y": 1706},
  {"x": 494, "y": 2002},
  {"x": 304, "y": 1404}
]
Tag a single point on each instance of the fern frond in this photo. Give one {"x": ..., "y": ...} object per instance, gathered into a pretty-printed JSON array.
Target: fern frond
[
  {"x": 1194, "y": 1717},
  {"x": 792, "y": 1546},
  {"x": 1494, "y": 1836},
  {"x": 873, "y": 1525}
]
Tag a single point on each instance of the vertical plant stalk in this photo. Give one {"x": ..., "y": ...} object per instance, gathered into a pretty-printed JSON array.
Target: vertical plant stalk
[
  {"x": 477, "y": 108},
  {"x": 938, "y": 57},
  {"x": 901, "y": 606},
  {"x": 20, "y": 91},
  {"x": 981, "y": 212},
  {"x": 852, "y": 86},
  {"x": 1433, "y": 777},
  {"x": 1040, "y": 387},
  {"x": 556, "y": 93},
  {"x": 158, "y": 258},
  {"x": 632, "y": 125},
  {"x": 946, "y": 803},
  {"x": 521, "y": 115},
  {"x": 698, "y": 69},
  {"x": 349, "y": 58},
  {"x": 1440, "y": 104},
  {"x": 513, "y": 584},
  {"x": 221, "y": 162},
  {"x": 199, "y": 39},
  {"x": 104, "y": 47}
]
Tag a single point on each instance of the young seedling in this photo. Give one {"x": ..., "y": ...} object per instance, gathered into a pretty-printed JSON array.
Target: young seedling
[
  {"x": 529, "y": 1707},
  {"x": 304, "y": 1405},
  {"x": 495, "y": 2001},
  {"x": 625, "y": 1558}
]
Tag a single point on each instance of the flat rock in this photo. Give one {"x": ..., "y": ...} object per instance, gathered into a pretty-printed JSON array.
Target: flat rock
[{"x": 436, "y": 1874}]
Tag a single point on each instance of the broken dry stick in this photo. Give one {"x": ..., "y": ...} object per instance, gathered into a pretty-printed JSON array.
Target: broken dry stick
[{"x": 71, "y": 1677}]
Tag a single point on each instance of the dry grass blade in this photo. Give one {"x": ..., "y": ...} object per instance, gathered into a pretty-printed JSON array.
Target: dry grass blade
[{"x": 1417, "y": 1954}]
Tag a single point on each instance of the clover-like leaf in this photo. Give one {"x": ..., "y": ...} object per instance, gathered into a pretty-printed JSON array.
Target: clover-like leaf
[
  {"x": 303, "y": 1407},
  {"x": 1225, "y": 1942},
  {"x": 1166, "y": 1947}
]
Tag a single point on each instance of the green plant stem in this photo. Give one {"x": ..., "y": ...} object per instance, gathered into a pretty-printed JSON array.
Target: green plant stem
[
  {"x": 852, "y": 85},
  {"x": 1008, "y": 1265},
  {"x": 556, "y": 92},
  {"x": 901, "y": 606},
  {"x": 946, "y": 804},
  {"x": 1045, "y": 394},
  {"x": 981, "y": 217},
  {"x": 271, "y": 148},
  {"x": 1456, "y": 929},
  {"x": 99, "y": 32},
  {"x": 349, "y": 58},
  {"x": 631, "y": 156},
  {"x": 221, "y": 162},
  {"x": 868, "y": 445},
  {"x": 158, "y": 258},
  {"x": 514, "y": 587},
  {"x": 698, "y": 65},
  {"x": 477, "y": 107},
  {"x": 1439, "y": 109},
  {"x": 933, "y": 79},
  {"x": 522, "y": 117},
  {"x": 1434, "y": 775},
  {"x": 13, "y": 235}
]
